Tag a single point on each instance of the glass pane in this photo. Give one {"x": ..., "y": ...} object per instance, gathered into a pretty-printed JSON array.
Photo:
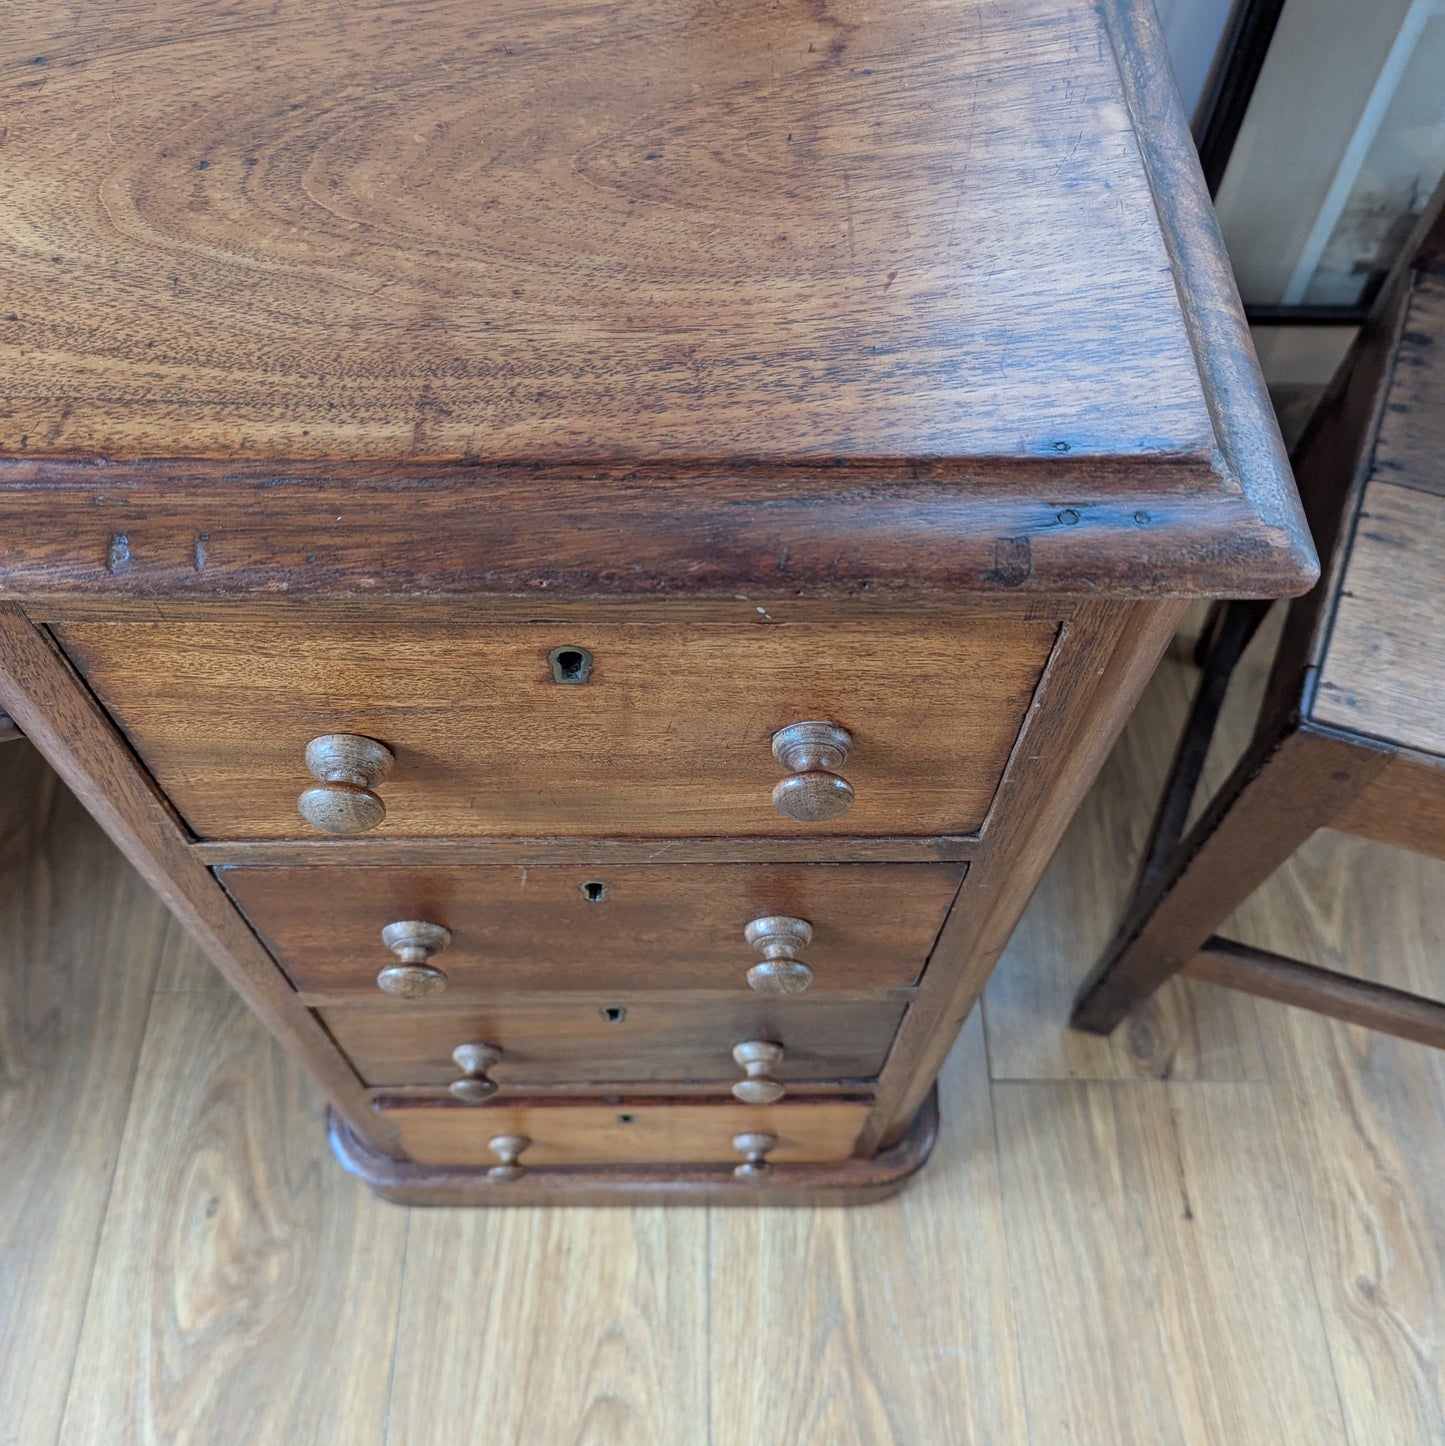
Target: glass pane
[{"x": 1343, "y": 143}]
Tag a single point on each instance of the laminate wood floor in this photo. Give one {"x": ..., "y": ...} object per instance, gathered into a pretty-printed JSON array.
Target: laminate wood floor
[{"x": 1224, "y": 1225}]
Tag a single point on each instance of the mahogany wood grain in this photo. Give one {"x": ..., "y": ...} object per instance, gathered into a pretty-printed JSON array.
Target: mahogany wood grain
[
  {"x": 397, "y": 340},
  {"x": 671, "y": 737},
  {"x": 571, "y": 232},
  {"x": 449, "y": 853},
  {"x": 91, "y": 537},
  {"x": 642, "y": 1131},
  {"x": 1383, "y": 671},
  {"x": 560, "y": 926},
  {"x": 435, "y": 605},
  {"x": 1097, "y": 422},
  {"x": 569, "y": 1037},
  {"x": 843, "y": 1181}
]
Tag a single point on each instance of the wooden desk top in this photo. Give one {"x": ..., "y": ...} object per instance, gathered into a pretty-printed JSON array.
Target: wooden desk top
[{"x": 960, "y": 241}]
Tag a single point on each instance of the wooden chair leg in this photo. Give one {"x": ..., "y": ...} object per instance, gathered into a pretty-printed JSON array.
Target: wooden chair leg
[
  {"x": 1228, "y": 635},
  {"x": 1286, "y": 786}
]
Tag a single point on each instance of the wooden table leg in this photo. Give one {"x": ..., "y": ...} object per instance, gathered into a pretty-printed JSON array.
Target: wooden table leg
[{"x": 1284, "y": 788}]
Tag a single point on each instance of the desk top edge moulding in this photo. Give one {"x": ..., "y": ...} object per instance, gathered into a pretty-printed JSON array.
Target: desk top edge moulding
[
  {"x": 652, "y": 266},
  {"x": 669, "y": 504}
]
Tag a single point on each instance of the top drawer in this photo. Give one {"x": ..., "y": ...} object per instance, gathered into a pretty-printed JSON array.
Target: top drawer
[{"x": 638, "y": 729}]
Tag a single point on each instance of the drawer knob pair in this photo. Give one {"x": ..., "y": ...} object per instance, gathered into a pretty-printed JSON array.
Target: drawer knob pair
[
  {"x": 777, "y": 937},
  {"x": 349, "y": 768}
]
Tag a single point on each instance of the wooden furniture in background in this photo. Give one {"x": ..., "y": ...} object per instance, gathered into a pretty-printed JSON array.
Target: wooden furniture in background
[
  {"x": 1351, "y": 733},
  {"x": 591, "y": 556}
]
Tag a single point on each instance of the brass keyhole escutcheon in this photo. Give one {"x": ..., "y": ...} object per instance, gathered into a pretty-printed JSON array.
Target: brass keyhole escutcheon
[{"x": 570, "y": 664}]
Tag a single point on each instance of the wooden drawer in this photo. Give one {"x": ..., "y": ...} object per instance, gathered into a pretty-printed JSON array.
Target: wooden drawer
[
  {"x": 631, "y": 1132},
  {"x": 616, "y": 1038},
  {"x": 671, "y": 735},
  {"x": 573, "y": 927}
]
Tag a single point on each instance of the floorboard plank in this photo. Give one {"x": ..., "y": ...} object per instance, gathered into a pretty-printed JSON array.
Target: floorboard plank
[
  {"x": 80, "y": 936},
  {"x": 245, "y": 1289},
  {"x": 575, "y": 1327},
  {"x": 889, "y": 1325},
  {"x": 1367, "y": 1115},
  {"x": 1163, "y": 1288}
]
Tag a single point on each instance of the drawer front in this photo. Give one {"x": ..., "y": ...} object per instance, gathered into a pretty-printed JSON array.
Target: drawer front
[
  {"x": 632, "y": 1132},
  {"x": 573, "y": 927},
  {"x": 616, "y": 1038},
  {"x": 670, "y": 734}
]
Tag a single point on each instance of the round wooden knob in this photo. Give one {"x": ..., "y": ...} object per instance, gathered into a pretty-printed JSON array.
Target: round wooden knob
[
  {"x": 474, "y": 1060},
  {"x": 759, "y": 1058},
  {"x": 347, "y": 769},
  {"x": 507, "y": 1148},
  {"x": 779, "y": 939},
  {"x": 413, "y": 942},
  {"x": 753, "y": 1146},
  {"x": 812, "y": 753}
]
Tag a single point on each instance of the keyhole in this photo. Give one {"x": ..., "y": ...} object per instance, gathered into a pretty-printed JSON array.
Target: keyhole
[
  {"x": 626, "y": 1119},
  {"x": 570, "y": 664},
  {"x": 594, "y": 892},
  {"x": 613, "y": 1013}
]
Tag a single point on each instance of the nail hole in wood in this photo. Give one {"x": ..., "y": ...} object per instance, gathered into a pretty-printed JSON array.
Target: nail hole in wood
[{"x": 570, "y": 664}]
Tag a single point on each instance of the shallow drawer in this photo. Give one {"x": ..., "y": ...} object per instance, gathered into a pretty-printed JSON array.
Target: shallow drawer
[
  {"x": 670, "y": 734},
  {"x": 632, "y": 1132},
  {"x": 573, "y": 927},
  {"x": 614, "y": 1038}
]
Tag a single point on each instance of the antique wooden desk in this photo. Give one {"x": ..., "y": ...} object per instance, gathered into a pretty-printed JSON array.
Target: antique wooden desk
[{"x": 590, "y": 552}]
